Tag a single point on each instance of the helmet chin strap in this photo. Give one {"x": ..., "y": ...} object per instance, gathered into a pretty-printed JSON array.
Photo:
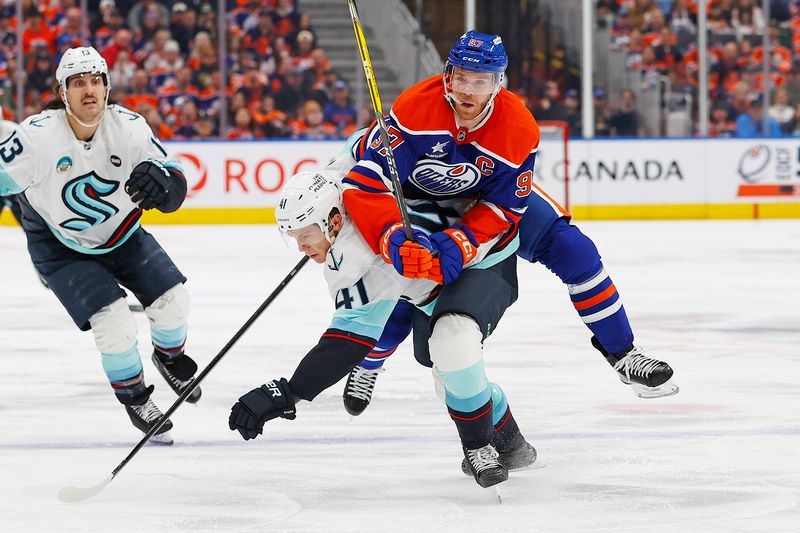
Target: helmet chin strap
[
  {"x": 452, "y": 100},
  {"x": 79, "y": 121}
]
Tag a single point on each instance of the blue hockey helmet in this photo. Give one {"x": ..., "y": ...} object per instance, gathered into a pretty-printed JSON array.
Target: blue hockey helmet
[{"x": 479, "y": 52}]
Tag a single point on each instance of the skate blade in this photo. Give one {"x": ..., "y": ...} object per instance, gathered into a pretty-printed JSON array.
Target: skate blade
[
  {"x": 667, "y": 388},
  {"x": 162, "y": 439}
]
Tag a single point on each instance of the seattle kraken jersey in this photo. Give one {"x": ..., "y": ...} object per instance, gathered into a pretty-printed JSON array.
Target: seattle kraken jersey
[
  {"x": 77, "y": 187},
  {"x": 491, "y": 163},
  {"x": 364, "y": 287}
]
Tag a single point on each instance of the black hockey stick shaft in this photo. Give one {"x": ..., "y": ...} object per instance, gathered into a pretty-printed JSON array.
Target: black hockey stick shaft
[
  {"x": 377, "y": 108},
  {"x": 200, "y": 377}
]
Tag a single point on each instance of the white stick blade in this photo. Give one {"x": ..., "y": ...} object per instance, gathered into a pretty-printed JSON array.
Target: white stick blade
[{"x": 77, "y": 494}]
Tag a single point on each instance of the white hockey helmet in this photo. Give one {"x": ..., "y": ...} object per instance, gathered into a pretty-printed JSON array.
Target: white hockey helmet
[
  {"x": 309, "y": 198},
  {"x": 81, "y": 60}
]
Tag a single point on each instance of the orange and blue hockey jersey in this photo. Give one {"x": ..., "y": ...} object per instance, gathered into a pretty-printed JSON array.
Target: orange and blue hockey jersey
[{"x": 492, "y": 163}]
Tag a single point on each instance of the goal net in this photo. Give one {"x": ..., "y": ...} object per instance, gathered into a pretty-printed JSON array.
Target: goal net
[{"x": 552, "y": 161}]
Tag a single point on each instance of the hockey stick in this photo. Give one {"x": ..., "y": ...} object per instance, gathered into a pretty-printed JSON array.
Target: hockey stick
[
  {"x": 375, "y": 98},
  {"x": 76, "y": 494}
]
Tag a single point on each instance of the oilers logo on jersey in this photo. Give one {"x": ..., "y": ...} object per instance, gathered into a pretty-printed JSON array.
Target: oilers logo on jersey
[{"x": 442, "y": 179}]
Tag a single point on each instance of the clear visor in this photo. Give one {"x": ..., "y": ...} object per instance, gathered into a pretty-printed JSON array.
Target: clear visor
[
  {"x": 458, "y": 80},
  {"x": 307, "y": 236}
]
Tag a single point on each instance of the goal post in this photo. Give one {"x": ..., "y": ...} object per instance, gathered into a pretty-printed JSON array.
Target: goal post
[{"x": 551, "y": 170}]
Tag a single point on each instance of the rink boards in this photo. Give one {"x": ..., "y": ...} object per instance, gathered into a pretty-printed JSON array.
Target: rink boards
[{"x": 239, "y": 182}]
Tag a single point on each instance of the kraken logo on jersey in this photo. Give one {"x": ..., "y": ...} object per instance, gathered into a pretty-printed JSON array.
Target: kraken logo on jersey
[
  {"x": 442, "y": 179},
  {"x": 84, "y": 197}
]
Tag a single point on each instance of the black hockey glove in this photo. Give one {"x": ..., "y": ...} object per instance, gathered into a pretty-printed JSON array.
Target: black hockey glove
[
  {"x": 272, "y": 400},
  {"x": 149, "y": 184}
]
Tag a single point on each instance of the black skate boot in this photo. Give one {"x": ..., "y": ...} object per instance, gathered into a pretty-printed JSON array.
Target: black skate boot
[
  {"x": 358, "y": 389},
  {"x": 484, "y": 466},
  {"x": 178, "y": 373},
  {"x": 648, "y": 377},
  {"x": 144, "y": 414},
  {"x": 513, "y": 451}
]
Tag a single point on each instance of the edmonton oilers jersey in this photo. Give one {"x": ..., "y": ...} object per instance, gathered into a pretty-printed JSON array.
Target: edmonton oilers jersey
[
  {"x": 491, "y": 163},
  {"x": 77, "y": 187}
]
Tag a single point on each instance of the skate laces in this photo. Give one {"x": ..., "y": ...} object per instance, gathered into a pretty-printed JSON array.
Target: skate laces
[
  {"x": 483, "y": 458},
  {"x": 362, "y": 382},
  {"x": 147, "y": 411},
  {"x": 637, "y": 364}
]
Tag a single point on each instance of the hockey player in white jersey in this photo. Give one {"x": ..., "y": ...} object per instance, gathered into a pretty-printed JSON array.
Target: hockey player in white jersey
[
  {"x": 365, "y": 289},
  {"x": 10, "y": 202},
  {"x": 84, "y": 170}
]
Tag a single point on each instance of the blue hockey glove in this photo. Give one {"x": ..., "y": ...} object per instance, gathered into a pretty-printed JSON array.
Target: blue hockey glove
[
  {"x": 411, "y": 259},
  {"x": 271, "y": 400},
  {"x": 457, "y": 246},
  {"x": 148, "y": 184}
]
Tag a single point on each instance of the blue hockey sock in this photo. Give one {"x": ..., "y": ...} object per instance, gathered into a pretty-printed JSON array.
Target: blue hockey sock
[
  {"x": 573, "y": 257},
  {"x": 169, "y": 342},
  {"x": 124, "y": 372}
]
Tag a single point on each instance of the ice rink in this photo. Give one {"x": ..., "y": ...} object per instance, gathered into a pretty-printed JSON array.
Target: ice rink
[{"x": 718, "y": 300}]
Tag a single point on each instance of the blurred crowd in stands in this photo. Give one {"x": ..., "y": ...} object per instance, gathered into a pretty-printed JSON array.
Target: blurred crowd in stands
[
  {"x": 164, "y": 62},
  {"x": 659, "y": 39},
  {"x": 164, "y": 58}
]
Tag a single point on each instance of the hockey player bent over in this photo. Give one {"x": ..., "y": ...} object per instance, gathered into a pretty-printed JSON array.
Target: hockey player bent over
[
  {"x": 365, "y": 289},
  {"x": 87, "y": 170}
]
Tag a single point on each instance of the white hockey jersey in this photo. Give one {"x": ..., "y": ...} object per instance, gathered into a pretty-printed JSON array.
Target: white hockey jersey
[
  {"x": 77, "y": 186},
  {"x": 364, "y": 288}
]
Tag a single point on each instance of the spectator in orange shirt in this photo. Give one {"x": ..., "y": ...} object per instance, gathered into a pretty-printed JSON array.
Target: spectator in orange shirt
[
  {"x": 271, "y": 121},
  {"x": 311, "y": 124},
  {"x": 286, "y": 18},
  {"x": 259, "y": 39},
  {"x": 37, "y": 33},
  {"x": 156, "y": 123},
  {"x": 139, "y": 92},
  {"x": 242, "y": 128}
]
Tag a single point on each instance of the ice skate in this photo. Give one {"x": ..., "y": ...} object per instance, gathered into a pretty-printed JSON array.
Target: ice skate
[
  {"x": 484, "y": 466},
  {"x": 178, "y": 373},
  {"x": 648, "y": 377},
  {"x": 517, "y": 458},
  {"x": 144, "y": 416},
  {"x": 358, "y": 389}
]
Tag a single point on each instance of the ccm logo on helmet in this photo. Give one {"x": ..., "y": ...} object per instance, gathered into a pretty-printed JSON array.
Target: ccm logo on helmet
[{"x": 440, "y": 179}]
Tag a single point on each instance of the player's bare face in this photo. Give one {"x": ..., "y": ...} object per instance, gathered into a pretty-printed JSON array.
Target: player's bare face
[
  {"x": 86, "y": 95},
  {"x": 472, "y": 91},
  {"x": 311, "y": 241}
]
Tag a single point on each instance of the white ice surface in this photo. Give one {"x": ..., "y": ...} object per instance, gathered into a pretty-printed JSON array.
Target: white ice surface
[{"x": 718, "y": 300}]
